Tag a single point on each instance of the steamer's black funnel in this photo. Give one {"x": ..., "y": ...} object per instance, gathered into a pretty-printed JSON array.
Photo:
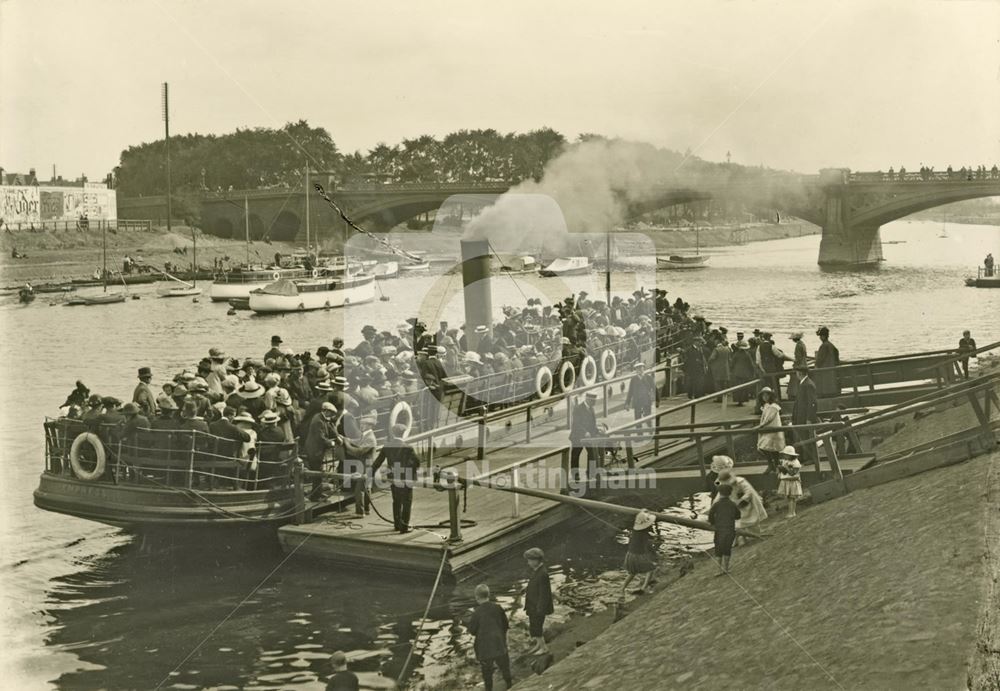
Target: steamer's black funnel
[{"x": 476, "y": 284}]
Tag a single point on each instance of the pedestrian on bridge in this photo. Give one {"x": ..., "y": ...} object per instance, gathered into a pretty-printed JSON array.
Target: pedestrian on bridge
[{"x": 641, "y": 392}]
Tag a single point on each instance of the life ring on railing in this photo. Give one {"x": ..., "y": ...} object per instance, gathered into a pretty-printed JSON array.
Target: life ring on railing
[
  {"x": 543, "y": 382},
  {"x": 75, "y": 460},
  {"x": 401, "y": 409},
  {"x": 609, "y": 363},
  {"x": 588, "y": 371},
  {"x": 276, "y": 275},
  {"x": 567, "y": 376},
  {"x": 315, "y": 273}
]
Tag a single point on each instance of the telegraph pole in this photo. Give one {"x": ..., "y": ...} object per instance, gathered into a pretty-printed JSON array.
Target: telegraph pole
[{"x": 166, "y": 126}]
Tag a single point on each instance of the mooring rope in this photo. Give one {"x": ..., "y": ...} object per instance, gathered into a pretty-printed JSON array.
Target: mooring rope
[
  {"x": 385, "y": 243},
  {"x": 423, "y": 619}
]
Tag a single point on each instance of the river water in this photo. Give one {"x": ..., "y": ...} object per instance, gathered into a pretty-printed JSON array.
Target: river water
[{"x": 84, "y": 607}]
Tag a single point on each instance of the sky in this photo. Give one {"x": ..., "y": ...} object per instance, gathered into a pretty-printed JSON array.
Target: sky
[{"x": 797, "y": 85}]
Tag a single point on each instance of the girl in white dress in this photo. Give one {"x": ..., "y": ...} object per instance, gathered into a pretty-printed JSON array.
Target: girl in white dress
[{"x": 789, "y": 481}]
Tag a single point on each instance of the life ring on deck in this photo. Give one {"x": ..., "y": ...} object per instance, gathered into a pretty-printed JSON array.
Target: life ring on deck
[
  {"x": 567, "y": 376},
  {"x": 543, "y": 382},
  {"x": 609, "y": 363},
  {"x": 401, "y": 409},
  {"x": 276, "y": 275},
  {"x": 588, "y": 371},
  {"x": 315, "y": 273},
  {"x": 75, "y": 460}
]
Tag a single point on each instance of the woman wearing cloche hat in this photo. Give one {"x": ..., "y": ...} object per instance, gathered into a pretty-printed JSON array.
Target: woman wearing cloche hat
[{"x": 639, "y": 558}]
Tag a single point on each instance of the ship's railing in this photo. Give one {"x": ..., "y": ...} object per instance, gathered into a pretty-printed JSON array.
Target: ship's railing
[
  {"x": 465, "y": 401},
  {"x": 175, "y": 458}
]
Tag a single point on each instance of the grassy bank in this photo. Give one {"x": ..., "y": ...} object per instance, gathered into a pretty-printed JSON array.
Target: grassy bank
[{"x": 883, "y": 588}]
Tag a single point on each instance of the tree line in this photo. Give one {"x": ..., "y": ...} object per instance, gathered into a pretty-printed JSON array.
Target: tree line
[{"x": 264, "y": 157}]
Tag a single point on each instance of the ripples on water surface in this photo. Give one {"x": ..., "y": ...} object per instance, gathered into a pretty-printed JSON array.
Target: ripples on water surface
[{"x": 85, "y": 609}]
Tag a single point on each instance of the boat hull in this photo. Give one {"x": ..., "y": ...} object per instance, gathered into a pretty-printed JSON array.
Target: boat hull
[
  {"x": 139, "y": 507},
  {"x": 415, "y": 268},
  {"x": 683, "y": 263},
  {"x": 566, "y": 266},
  {"x": 95, "y": 300},
  {"x": 983, "y": 282},
  {"x": 355, "y": 293}
]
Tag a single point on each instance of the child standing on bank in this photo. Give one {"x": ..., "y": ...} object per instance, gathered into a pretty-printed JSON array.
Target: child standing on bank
[
  {"x": 723, "y": 516},
  {"x": 789, "y": 480},
  {"x": 639, "y": 559}
]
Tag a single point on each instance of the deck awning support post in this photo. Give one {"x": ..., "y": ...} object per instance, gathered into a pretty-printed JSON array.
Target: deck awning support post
[{"x": 449, "y": 479}]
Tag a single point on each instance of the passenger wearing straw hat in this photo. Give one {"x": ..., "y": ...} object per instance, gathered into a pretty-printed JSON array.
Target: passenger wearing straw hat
[{"x": 639, "y": 558}]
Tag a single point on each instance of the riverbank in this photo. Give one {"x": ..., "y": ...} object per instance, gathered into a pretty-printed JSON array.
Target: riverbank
[
  {"x": 668, "y": 239},
  {"x": 884, "y": 588},
  {"x": 55, "y": 256}
]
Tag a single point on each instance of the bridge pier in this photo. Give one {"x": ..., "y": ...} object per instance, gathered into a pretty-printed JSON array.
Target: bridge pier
[
  {"x": 850, "y": 246},
  {"x": 844, "y": 243}
]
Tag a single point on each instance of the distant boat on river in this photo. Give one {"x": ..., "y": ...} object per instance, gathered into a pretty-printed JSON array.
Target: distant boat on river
[{"x": 567, "y": 266}]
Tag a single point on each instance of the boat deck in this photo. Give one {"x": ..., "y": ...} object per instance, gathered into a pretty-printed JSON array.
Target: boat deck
[{"x": 494, "y": 522}]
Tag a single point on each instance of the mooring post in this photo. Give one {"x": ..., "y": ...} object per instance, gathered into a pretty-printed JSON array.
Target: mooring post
[
  {"x": 298, "y": 493},
  {"x": 449, "y": 479},
  {"x": 701, "y": 459},
  {"x": 564, "y": 463},
  {"x": 730, "y": 442},
  {"x": 629, "y": 455},
  {"x": 515, "y": 482},
  {"x": 481, "y": 449},
  {"x": 358, "y": 485}
]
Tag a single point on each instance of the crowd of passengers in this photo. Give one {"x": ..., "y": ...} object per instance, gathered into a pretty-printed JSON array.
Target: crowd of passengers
[{"x": 276, "y": 396}]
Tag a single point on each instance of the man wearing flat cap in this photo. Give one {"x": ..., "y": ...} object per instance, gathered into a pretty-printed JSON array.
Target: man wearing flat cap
[{"x": 143, "y": 394}]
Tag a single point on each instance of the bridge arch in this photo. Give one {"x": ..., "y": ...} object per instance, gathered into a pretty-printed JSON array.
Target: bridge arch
[
  {"x": 285, "y": 226},
  {"x": 900, "y": 207},
  {"x": 221, "y": 227}
]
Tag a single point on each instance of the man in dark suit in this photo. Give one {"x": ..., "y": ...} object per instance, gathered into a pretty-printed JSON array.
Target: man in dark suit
[
  {"x": 583, "y": 427},
  {"x": 804, "y": 411},
  {"x": 321, "y": 435},
  {"x": 225, "y": 429},
  {"x": 403, "y": 467},
  {"x": 641, "y": 392}
]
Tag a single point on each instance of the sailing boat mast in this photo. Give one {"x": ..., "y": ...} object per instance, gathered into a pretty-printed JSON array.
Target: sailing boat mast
[
  {"x": 194, "y": 240},
  {"x": 246, "y": 226},
  {"x": 308, "y": 251},
  {"x": 607, "y": 266},
  {"x": 104, "y": 256}
]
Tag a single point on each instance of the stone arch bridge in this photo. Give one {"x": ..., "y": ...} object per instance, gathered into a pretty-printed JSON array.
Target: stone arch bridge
[{"x": 850, "y": 207}]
